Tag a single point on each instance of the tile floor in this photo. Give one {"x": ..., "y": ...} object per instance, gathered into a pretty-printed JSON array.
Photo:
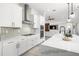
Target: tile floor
[{"x": 48, "y": 51}]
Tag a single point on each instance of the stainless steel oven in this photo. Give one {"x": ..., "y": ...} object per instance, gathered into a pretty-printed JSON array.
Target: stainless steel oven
[{"x": 41, "y": 31}]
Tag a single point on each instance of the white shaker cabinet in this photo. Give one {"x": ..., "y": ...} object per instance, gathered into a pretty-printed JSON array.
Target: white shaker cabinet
[
  {"x": 9, "y": 49},
  {"x": 10, "y": 15},
  {"x": 36, "y": 21},
  {"x": 33, "y": 16},
  {"x": 23, "y": 45},
  {"x": 42, "y": 20},
  {"x": 27, "y": 43},
  {"x": 36, "y": 18},
  {"x": 4, "y": 15},
  {"x": 16, "y": 15},
  {"x": 35, "y": 40},
  {"x": 0, "y": 48},
  {"x": 20, "y": 44}
]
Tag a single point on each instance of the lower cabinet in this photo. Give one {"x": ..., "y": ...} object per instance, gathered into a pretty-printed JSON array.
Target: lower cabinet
[
  {"x": 35, "y": 40},
  {"x": 0, "y": 49},
  {"x": 18, "y": 47},
  {"x": 9, "y": 49},
  {"x": 23, "y": 45},
  {"x": 27, "y": 43}
]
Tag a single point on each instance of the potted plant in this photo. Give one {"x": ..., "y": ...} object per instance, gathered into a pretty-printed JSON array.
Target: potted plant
[{"x": 68, "y": 36}]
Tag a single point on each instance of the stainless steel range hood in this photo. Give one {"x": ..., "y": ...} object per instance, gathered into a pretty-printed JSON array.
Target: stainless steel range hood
[{"x": 26, "y": 21}]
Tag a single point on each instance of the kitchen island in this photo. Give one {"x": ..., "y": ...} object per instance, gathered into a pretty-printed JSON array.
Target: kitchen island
[{"x": 58, "y": 42}]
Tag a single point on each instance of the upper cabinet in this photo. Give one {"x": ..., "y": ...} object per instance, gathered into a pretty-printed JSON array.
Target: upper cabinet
[
  {"x": 16, "y": 14},
  {"x": 42, "y": 20},
  {"x": 36, "y": 21},
  {"x": 10, "y": 15},
  {"x": 33, "y": 17}
]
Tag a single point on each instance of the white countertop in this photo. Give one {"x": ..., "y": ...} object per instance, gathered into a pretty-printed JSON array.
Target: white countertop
[
  {"x": 57, "y": 42},
  {"x": 17, "y": 37}
]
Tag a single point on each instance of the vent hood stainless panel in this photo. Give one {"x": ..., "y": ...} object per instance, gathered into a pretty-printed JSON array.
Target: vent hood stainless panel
[{"x": 26, "y": 21}]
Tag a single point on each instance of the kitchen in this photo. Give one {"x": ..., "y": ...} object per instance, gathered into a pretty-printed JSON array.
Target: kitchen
[{"x": 39, "y": 29}]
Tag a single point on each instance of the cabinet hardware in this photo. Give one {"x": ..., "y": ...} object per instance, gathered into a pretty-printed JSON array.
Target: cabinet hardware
[
  {"x": 17, "y": 45},
  {"x": 10, "y": 42}
]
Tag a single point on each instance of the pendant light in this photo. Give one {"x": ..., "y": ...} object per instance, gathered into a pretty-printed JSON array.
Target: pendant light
[
  {"x": 72, "y": 12},
  {"x": 68, "y": 20}
]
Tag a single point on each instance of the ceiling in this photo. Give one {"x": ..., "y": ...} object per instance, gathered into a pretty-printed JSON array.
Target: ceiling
[{"x": 59, "y": 11}]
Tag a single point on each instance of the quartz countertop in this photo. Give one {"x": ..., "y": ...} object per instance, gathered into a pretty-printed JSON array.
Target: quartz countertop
[
  {"x": 16, "y": 36},
  {"x": 58, "y": 42}
]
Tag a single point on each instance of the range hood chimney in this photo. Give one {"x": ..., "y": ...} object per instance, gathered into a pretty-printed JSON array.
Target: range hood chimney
[
  {"x": 26, "y": 21},
  {"x": 25, "y": 12}
]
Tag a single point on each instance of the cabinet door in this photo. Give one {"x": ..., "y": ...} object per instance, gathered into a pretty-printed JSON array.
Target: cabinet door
[
  {"x": 36, "y": 40},
  {"x": 36, "y": 21},
  {"x": 16, "y": 15},
  {"x": 9, "y": 49},
  {"x": 23, "y": 46},
  {"x": 42, "y": 20},
  {"x": 10, "y": 15},
  {"x": 0, "y": 48},
  {"x": 5, "y": 14}
]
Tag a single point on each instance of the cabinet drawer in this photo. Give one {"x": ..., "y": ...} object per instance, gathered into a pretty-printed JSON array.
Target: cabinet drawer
[
  {"x": 0, "y": 48},
  {"x": 24, "y": 45},
  {"x": 8, "y": 43},
  {"x": 10, "y": 49}
]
